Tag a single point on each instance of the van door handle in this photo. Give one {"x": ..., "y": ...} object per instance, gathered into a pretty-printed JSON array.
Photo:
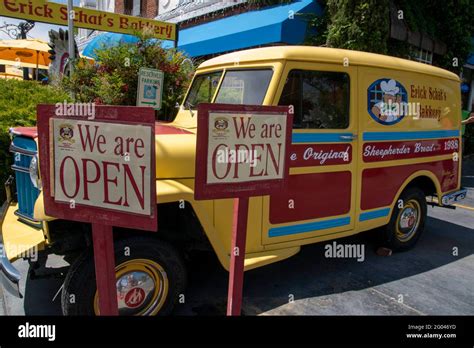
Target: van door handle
[{"x": 348, "y": 137}]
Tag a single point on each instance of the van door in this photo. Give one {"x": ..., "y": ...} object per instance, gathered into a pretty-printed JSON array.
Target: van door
[{"x": 319, "y": 200}]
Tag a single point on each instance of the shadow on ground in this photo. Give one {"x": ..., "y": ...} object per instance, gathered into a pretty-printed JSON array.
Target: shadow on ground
[{"x": 309, "y": 274}]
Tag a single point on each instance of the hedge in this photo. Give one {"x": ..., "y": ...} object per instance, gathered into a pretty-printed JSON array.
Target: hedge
[{"x": 18, "y": 100}]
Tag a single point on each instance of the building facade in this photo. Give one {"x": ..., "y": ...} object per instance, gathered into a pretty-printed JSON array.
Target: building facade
[{"x": 84, "y": 36}]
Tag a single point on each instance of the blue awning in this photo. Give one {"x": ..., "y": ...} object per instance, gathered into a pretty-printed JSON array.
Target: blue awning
[{"x": 276, "y": 24}]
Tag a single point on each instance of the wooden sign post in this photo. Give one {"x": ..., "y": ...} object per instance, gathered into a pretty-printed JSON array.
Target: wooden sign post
[
  {"x": 241, "y": 152},
  {"x": 99, "y": 168}
]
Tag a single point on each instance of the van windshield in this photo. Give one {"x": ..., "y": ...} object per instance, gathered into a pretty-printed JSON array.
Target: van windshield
[{"x": 238, "y": 87}]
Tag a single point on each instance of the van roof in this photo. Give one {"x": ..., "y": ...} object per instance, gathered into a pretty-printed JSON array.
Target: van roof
[{"x": 326, "y": 55}]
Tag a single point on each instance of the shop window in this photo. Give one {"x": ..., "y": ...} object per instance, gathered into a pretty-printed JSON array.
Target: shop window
[
  {"x": 421, "y": 55},
  {"x": 320, "y": 99},
  {"x": 132, "y": 7}
]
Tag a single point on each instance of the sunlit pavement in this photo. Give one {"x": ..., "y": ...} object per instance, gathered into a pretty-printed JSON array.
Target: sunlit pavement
[{"x": 436, "y": 277}]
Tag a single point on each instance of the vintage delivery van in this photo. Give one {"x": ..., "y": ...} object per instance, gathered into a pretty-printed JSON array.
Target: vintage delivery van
[{"x": 373, "y": 138}]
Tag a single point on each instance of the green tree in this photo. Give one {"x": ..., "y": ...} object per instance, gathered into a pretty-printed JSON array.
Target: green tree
[
  {"x": 364, "y": 25},
  {"x": 358, "y": 24}
]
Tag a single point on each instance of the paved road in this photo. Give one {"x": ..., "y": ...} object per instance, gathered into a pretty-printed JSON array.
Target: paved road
[{"x": 430, "y": 279}]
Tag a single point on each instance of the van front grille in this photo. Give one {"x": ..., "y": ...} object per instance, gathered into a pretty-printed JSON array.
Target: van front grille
[{"x": 23, "y": 150}]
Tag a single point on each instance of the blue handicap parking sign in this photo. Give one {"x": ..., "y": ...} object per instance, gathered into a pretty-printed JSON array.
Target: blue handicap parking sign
[{"x": 149, "y": 92}]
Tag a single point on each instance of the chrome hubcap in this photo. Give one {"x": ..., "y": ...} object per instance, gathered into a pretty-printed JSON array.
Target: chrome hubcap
[
  {"x": 142, "y": 288},
  {"x": 134, "y": 292},
  {"x": 408, "y": 221}
]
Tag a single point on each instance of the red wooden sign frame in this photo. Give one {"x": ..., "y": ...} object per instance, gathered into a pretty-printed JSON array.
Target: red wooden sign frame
[
  {"x": 83, "y": 213},
  {"x": 239, "y": 191},
  {"x": 203, "y": 190}
]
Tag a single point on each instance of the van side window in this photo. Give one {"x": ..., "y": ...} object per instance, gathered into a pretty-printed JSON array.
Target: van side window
[{"x": 320, "y": 99}]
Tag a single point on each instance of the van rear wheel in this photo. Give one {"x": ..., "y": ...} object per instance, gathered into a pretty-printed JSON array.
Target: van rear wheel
[
  {"x": 407, "y": 221},
  {"x": 150, "y": 277}
]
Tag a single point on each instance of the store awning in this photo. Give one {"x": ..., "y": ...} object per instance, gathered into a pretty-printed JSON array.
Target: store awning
[{"x": 277, "y": 24}]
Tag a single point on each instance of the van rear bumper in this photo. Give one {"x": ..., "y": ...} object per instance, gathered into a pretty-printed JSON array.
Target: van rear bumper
[
  {"x": 454, "y": 197},
  {"x": 9, "y": 275}
]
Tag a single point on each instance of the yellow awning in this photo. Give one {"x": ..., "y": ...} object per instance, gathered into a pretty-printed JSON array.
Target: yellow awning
[
  {"x": 22, "y": 64},
  {"x": 27, "y": 52}
]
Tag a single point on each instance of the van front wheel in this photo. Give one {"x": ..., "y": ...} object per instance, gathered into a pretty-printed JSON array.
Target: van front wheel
[
  {"x": 150, "y": 278},
  {"x": 407, "y": 221}
]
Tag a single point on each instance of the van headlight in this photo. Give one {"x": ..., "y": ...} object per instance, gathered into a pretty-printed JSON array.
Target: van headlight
[{"x": 34, "y": 172}]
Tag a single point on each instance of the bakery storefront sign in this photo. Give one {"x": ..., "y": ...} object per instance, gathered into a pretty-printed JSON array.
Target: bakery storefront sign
[{"x": 55, "y": 13}]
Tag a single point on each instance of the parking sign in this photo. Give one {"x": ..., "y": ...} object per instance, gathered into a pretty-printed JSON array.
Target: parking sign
[{"x": 150, "y": 88}]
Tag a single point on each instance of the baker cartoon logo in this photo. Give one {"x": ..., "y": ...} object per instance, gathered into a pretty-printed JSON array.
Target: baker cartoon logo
[
  {"x": 387, "y": 101},
  {"x": 221, "y": 126},
  {"x": 66, "y": 135}
]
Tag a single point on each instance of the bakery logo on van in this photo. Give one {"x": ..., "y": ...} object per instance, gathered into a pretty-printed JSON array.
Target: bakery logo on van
[{"x": 388, "y": 102}]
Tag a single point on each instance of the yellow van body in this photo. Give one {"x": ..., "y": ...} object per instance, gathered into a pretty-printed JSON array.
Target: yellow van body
[{"x": 343, "y": 181}]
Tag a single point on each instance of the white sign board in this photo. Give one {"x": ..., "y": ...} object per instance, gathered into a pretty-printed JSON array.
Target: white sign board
[
  {"x": 150, "y": 88},
  {"x": 241, "y": 150},
  {"x": 244, "y": 147},
  {"x": 100, "y": 164}
]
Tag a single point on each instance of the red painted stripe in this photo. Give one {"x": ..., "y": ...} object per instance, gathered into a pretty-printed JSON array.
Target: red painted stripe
[
  {"x": 30, "y": 132},
  {"x": 161, "y": 128},
  {"x": 313, "y": 196},
  {"x": 305, "y": 155},
  {"x": 397, "y": 150},
  {"x": 380, "y": 185}
]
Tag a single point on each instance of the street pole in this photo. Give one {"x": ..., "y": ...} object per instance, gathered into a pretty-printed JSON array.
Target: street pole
[
  {"x": 23, "y": 32},
  {"x": 70, "y": 22}
]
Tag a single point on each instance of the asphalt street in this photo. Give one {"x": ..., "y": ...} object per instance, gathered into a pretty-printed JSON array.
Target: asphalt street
[{"x": 434, "y": 278}]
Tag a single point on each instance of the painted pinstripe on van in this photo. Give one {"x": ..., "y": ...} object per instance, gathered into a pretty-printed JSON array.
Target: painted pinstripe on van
[
  {"x": 375, "y": 214},
  {"x": 410, "y": 135},
  {"x": 308, "y": 227}
]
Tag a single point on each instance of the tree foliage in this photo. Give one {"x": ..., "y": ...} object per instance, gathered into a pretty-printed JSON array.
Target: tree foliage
[
  {"x": 448, "y": 21},
  {"x": 358, "y": 25},
  {"x": 364, "y": 25}
]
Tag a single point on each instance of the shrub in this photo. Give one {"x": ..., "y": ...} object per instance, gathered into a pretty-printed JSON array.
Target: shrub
[
  {"x": 18, "y": 100},
  {"x": 112, "y": 79}
]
